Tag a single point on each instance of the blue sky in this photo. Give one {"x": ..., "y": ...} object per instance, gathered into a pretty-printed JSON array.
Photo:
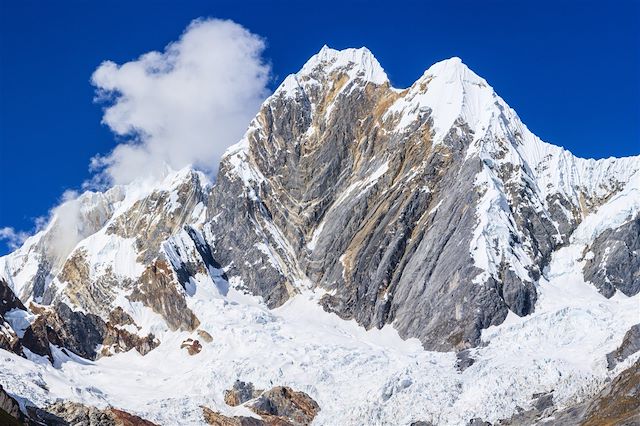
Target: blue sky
[{"x": 569, "y": 68}]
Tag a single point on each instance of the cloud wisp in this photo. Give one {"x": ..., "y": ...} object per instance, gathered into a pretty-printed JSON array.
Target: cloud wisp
[
  {"x": 12, "y": 238},
  {"x": 183, "y": 106}
]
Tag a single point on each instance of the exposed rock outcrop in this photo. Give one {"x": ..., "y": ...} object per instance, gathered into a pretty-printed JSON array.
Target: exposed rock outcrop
[
  {"x": 630, "y": 345},
  {"x": 193, "y": 347},
  {"x": 64, "y": 414},
  {"x": 240, "y": 393},
  {"x": 160, "y": 215},
  {"x": 9, "y": 340},
  {"x": 157, "y": 289},
  {"x": 8, "y": 300},
  {"x": 78, "y": 332},
  {"x": 10, "y": 413},
  {"x": 613, "y": 260},
  {"x": 216, "y": 419},
  {"x": 122, "y": 418},
  {"x": 478, "y": 422},
  {"x": 618, "y": 403},
  {"x": 119, "y": 340},
  {"x": 79, "y": 287},
  {"x": 464, "y": 360},
  {"x": 279, "y": 406},
  {"x": 75, "y": 413},
  {"x": 206, "y": 337},
  {"x": 284, "y": 403},
  {"x": 542, "y": 408},
  {"x": 78, "y": 414}
]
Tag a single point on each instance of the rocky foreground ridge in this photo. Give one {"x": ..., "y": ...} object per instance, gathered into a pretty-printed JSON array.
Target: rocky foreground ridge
[{"x": 431, "y": 208}]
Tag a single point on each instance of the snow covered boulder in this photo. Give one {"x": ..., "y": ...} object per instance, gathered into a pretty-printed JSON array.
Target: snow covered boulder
[
  {"x": 205, "y": 336},
  {"x": 296, "y": 407},
  {"x": 192, "y": 346},
  {"x": 241, "y": 393},
  {"x": 216, "y": 419},
  {"x": 80, "y": 414}
]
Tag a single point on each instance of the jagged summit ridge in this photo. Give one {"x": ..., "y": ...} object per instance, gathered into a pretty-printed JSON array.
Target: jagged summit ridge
[
  {"x": 342, "y": 145},
  {"x": 358, "y": 167},
  {"x": 450, "y": 94},
  {"x": 360, "y": 62}
]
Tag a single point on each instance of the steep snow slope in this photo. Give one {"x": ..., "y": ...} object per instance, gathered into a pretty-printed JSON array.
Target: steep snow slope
[
  {"x": 104, "y": 229},
  {"x": 29, "y": 268}
]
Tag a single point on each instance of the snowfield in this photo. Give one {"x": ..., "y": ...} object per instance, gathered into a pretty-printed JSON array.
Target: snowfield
[{"x": 356, "y": 376}]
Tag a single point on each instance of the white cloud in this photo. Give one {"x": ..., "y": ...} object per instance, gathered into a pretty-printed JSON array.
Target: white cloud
[
  {"x": 66, "y": 225},
  {"x": 13, "y": 238},
  {"x": 64, "y": 221},
  {"x": 185, "y": 105}
]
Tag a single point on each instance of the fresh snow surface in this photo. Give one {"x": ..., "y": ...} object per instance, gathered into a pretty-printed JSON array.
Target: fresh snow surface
[
  {"x": 448, "y": 91},
  {"x": 356, "y": 376},
  {"x": 491, "y": 243}
]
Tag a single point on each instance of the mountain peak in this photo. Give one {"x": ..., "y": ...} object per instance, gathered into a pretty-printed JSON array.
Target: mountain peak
[
  {"x": 451, "y": 91},
  {"x": 453, "y": 61},
  {"x": 357, "y": 62},
  {"x": 339, "y": 209},
  {"x": 452, "y": 70}
]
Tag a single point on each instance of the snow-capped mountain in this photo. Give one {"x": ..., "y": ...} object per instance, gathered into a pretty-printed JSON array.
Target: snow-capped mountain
[{"x": 488, "y": 274}]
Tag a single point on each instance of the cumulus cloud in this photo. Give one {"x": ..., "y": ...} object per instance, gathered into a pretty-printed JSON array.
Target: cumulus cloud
[
  {"x": 12, "y": 238},
  {"x": 183, "y": 106}
]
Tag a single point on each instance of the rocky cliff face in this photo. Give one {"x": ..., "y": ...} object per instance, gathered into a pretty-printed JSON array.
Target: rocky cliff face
[
  {"x": 431, "y": 208},
  {"x": 613, "y": 261},
  {"x": 141, "y": 255}
]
